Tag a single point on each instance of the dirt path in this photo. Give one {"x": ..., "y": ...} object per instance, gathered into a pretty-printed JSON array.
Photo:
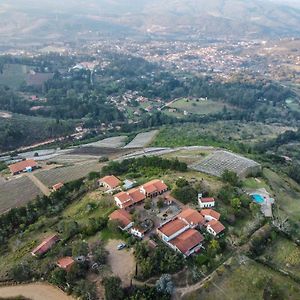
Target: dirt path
[
  {"x": 122, "y": 262},
  {"x": 35, "y": 291},
  {"x": 44, "y": 189}
]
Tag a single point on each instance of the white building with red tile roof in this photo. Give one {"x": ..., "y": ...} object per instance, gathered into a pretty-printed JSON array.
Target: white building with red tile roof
[
  {"x": 23, "y": 166},
  {"x": 153, "y": 188},
  {"x": 123, "y": 217},
  {"x": 215, "y": 227},
  {"x": 109, "y": 182},
  {"x": 57, "y": 186},
  {"x": 172, "y": 229},
  {"x": 191, "y": 217},
  {"x": 45, "y": 246},
  {"x": 205, "y": 202},
  {"x": 129, "y": 198},
  {"x": 210, "y": 214}
]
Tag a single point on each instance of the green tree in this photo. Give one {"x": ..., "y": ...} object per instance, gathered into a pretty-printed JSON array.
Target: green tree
[
  {"x": 236, "y": 204},
  {"x": 113, "y": 288},
  {"x": 160, "y": 203},
  {"x": 80, "y": 248},
  {"x": 58, "y": 277}
]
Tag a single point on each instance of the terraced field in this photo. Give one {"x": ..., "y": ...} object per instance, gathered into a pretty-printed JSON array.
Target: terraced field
[{"x": 17, "y": 192}]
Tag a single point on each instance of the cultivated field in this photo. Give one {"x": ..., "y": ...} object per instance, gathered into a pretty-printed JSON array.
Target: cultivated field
[
  {"x": 216, "y": 163},
  {"x": 244, "y": 279},
  {"x": 97, "y": 151},
  {"x": 17, "y": 192},
  {"x": 112, "y": 142},
  {"x": 142, "y": 139},
  {"x": 66, "y": 174},
  {"x": 199, "y": 106}
]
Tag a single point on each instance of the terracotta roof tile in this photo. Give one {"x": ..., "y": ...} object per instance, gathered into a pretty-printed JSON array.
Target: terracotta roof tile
[
  {"x": 216, "y": 226},
  {"x": 210, "y": 212},
  {"x": 192, "y": 216},
  {"x": 65, "y": 262},
  {"x": 188, "y": 240},
  {"x": 172, "y": 227},
  {"x": 22, "y": 165},
  {"x": 205, "y": 200},
  {"x": 45, "y": 245},
  {"x": 111, "y": 181},
  {"x": 122, "y": 216}
]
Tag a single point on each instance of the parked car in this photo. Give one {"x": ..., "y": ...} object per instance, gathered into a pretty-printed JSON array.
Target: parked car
[{"x": 121, "y": 246}]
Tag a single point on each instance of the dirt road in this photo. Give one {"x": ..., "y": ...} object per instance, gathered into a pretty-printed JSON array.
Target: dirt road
[
  {"x": 44, "y": 189},
  {"x": 121, "y": 261},
  {"x": 34, "y": 291}
]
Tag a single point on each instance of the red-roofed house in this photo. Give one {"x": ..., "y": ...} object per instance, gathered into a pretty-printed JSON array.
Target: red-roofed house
[
  {"x": 153, "y": 188},
  {"x": 65, "y": 263},
  {"x": 210, "y": 214},
  {"x": 172, "y": 229},
  {"x": 192, "y": 217},
  {"x": 188, "y": 242},
  {"x": 45, "y": 246},
  {"x": 215, "y": 227},
  {"x": 123, "y": 217},
  {"x": 109, "y": 182},
  {"x": 23, "y": 166},
  {"x": 138, "y": 231},
  {"x": 128, "y": 198},
  {"x": 205, "y": 202},
  {"x": 57, "y": 186}
]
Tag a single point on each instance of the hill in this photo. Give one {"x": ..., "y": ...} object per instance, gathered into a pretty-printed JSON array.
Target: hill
[{"x": 172, "y": 18}]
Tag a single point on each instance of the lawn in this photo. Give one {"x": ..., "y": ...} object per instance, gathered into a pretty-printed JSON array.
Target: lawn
[
  {"x": 245, "y": 281},
  {"x": 285, "y": 254},
  {"x": 199, "y": 107},
  {"x": 255, "y": 183},
  {"x": 287, "y": 193}
]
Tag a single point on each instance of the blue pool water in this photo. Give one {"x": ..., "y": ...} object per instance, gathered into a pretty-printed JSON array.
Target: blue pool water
[{"x": 258, "y": 198}]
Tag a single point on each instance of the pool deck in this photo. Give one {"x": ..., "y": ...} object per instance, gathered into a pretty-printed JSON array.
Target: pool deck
[{"x": 266, "y": 206}]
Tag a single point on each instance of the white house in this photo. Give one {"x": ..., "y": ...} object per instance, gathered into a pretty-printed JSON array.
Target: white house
[
  {"x": 205, "y": 202},
  {"x": 215, "y": 227}
]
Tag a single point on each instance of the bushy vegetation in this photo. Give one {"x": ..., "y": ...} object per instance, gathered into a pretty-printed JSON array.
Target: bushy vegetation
[
  {"x": 136, "y": 165},
  {"x": 158, "y": 261}
]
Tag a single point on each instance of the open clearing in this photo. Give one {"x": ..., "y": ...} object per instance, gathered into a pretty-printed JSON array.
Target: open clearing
[
  {"x": 97, "y": 151},
  {"x": 244, "y": 280},
  {"x": 35, "y": 291},
  {"x": 5, "y": 115},
  {"x": 199, "y": 106},
  {"x": 17, "y": 192},
  {"x": 121, "y": 261},
  {"x": 142, "y": 139},
  {"x": 67, "y": 174},
  {"x": 13, "y": 75}
]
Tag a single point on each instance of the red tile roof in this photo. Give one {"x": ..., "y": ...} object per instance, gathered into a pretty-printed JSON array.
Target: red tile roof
[
  {"x": 65, "y": 262},
  {"x": 206, "y": 200},
  {"x": 188, "y": 240},
  {"x": 45, "y": 245},
  {"x": 122, "y": 216},
  {"x": 112, "y": 181},
  {"x": 155, "y": 185},
  {"x": 210, "y": 212},
  {"x": 130, "y": 197},
  {"x": 22, "y": 165},
  {"x": 216, "y": 226},
  {"x": 57, "y": 186},
  {"x": 192, "y": 216},
  {"x": 172, "y": 227}
]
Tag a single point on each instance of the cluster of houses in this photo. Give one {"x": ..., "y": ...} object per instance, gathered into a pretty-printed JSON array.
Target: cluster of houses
[{"x": 180, "y": 232}]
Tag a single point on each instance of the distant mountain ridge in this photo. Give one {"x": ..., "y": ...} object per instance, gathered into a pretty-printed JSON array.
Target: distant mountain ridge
[{"x": 181, "y": 18}]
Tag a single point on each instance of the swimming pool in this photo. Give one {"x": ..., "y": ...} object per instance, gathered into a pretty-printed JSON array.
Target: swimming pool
[{"x": 258, "y": 198}]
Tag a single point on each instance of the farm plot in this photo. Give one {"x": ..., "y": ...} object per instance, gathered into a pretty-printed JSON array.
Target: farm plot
[
  {"x": 285, "y": 255},
  {"x": 199, "y": 106},
  {"x": 67, "y": 174},
  {"x": 97, "y": 151},
  {"x": 142, "y": 139},
  {"x": 112, "y": 142},
  {"x": 245, "y": 280},
  {"x": 17, "y": 192},
  {"x": 216, "y": 163}
]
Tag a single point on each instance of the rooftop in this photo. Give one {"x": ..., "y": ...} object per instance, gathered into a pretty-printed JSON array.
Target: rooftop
[{"x": 172, "y": 227}]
